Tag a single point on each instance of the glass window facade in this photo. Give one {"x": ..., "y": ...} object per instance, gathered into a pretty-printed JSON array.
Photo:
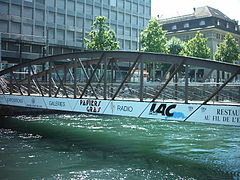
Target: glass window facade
[{"x": 65, "y": 22}]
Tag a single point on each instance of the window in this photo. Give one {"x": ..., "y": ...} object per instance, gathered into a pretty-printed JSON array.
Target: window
[
  {"x": 61, "y": 19},
  {"x": 105, "y": 12},
  {"x": 4, "y": 26},
  {"x": 113, "y": 3},
  {"x": 15, "y": 10},
  {"x": 15, "y": 28},
  {"x": 141, "y": 9},
  {"x": 141, "y": 22},
  {"x": 28, "y": 12},
  {"x": 134, "y": 20},
  {"x": 70, "y": 5},
  {"x": 36, "y": 49},
  {"x": 89, "y": 10},
  {"x": 4, "y": 8},
  {"x": 79, "y": 22},
  {"x": 61, "y": 4},
  {"x": 120, "y": 3},
  {"x": 120, "y": 17},
  {"x": 128, "y": 6},
  {"x": 128, "y": 19},
  {"x": 40, "y": 1},
  {"x": 174, "y": 27},
  {"x": 60, "y": 34},
  {"x": 88, "y": 24},
  {"x": 236, "y": 28},
  {"x": 51, "y": 33},
  {"x": 114, "y": 15},
  {"x": 80, "y": 8},
  {"x": 70, "y": 20},
  {"x": 134, "y": 33},
  {"x": 70, "y": 36},
  {"x": 51, "y": 17},
  {"x": 27, "y": 29},
  {"x": 218, "y": 22},
  {"x": 186, "y": 25},
  {"x": 227, "y": 25},
  {"x": 134, "y": 45},
  {"x": 97, "y": 11},
  {"x": 51, "y": 3},
  {"x": 120, "y": 30},
  {"x": 13, "y": 46},
  {"x": 202, "y": 23},
  {"x": 39, "y": 31},
  {"x": 135, "y": 7},
  {"x": 39, "y": 15},
  {"x": 148, "y": 11},
  {"x": 127, "y": 44},
  {"x": 127, "y": 31}
]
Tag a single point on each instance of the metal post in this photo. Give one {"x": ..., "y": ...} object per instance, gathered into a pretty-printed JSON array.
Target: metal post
[
  {"x": 186, "y": 84},
  {"x": 218, "y": 76},
  {"x": 1, "y": 67},
  {"x": 141, "y": 81},
  {"x": 11, "y": 82},
  {"x": 75, "y": 79},
  {"x": 50, "y": 79},
  {"x": 29, "y": 81},
  {"x": 105, "y": 80}
]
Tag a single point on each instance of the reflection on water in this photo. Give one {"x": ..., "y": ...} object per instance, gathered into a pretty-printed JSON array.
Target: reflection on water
[{"x": 107, "y": 147}]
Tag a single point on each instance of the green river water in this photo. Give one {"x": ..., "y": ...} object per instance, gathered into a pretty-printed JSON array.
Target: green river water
[{"x": 80, "y": 146}]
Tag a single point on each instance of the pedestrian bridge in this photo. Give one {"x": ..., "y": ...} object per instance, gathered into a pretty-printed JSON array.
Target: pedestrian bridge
[{"x": 96, "y": 80}]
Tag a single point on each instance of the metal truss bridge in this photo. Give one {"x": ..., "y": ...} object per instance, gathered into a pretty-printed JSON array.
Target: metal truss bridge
[{"x": 118, "y": 75}]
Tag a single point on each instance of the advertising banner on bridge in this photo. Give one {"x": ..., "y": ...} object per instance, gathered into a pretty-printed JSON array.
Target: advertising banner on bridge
[
  {"x": 15, "y": 100},
  {"x": 61, "y": 104},
  {"x": 169, "y": 111},
  {"x": 126, "y": 108},
  {"x": 94, "y": 106},
  {"x": 34, "y": 102},
  {"x": 217, "y": 114}
]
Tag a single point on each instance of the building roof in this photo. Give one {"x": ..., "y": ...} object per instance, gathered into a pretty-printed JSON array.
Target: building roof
[{"x": 199, "y": 12}]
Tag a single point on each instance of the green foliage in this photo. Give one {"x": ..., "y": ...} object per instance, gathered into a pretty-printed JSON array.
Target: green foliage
[
  {"x": 228, "y": 50},
  {"x": 153, "y": 38},
  {"x": 175, "y": 45},
  {"x": 196, "y": 47},
  {"x": 101, "y": 37}
]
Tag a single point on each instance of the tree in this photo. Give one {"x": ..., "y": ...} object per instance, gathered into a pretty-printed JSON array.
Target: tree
[
  {"x": 153, "y": 38},
  {"x": 196, "y": 47},
  {"x": 101, "y": 37},
  {"x": 175, "y": 45},
  {"x": 228, "y": 50}
]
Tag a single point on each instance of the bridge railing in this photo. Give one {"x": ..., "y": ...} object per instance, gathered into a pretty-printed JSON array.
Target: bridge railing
[{"x": 125, "y": 76}]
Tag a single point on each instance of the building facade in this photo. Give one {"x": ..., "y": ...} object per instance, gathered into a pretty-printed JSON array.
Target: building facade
[
  {"x": 34, "y": 28},
  {"x": 212, "y": 23}
]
